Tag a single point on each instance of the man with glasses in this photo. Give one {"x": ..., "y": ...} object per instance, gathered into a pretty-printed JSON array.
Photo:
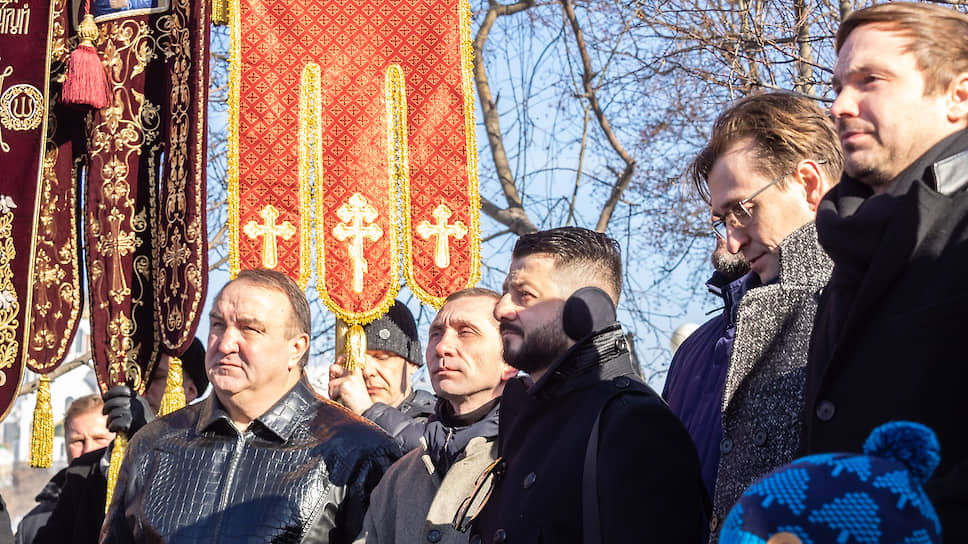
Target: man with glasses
[
  {"x": 418, "y": 497},
  {"x": 769, "y": 162}
]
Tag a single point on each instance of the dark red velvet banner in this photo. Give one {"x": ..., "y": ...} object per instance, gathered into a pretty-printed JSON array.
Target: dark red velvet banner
[
  {"x": 145, "y": 192},
  {"x": 24, "y": 28}
]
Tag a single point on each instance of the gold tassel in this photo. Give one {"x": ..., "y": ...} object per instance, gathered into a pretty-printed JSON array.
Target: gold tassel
[
  {"x": 174, "y": 398},
  {"x": 355, "y": 348},
  {"x": 220, "y": 12},
  {"x": 42, "y": 434},
  {"x": 117, "y": 455}
]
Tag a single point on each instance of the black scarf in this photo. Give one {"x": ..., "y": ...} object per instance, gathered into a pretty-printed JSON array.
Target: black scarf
[
  {"x": 852, "y": 222},
  {"x": 447, "y": 434}
]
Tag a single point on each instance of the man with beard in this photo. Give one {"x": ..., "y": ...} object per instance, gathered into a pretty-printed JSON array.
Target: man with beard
[
  {"x": 588, "y": 452},
  {"x": 697, "y": 373},
  {"x": 889, "y": 337}
]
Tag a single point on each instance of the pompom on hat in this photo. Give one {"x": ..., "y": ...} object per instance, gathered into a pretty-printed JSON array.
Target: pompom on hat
[{"x": 845, "y": 498}]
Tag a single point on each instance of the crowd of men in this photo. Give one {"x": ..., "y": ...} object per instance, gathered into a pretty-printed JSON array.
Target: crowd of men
[{"x": 840, "y": 245}]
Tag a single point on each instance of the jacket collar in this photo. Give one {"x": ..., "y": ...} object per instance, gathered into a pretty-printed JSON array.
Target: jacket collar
[
  {"x": 279, "y": 422},
  {"x": 601, "y": 356},
  {"x": 732, "y": 291},
  {"x": 801, "y": 257}
]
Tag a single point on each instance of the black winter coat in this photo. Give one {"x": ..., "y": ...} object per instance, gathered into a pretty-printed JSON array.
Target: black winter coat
[
  {"x": 889, "y": 340},
  {"x": 649, "y": 484},
  {"x": 301, "y": 472},
  {"x": 405, "y": 423}
]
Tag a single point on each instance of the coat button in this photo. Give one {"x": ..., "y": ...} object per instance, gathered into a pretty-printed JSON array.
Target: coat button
[
  {"x": 529, "y": 480},
  {"x": 476, "y": 539},
  {"x": 726, "y": 446},
  {"x": 713, "y": 523},
  {"x": 622, "y": 382},
  {"x": 759, "y": 438},
  {"x": 621, "y": 344},
  {"x": 500, "y": 535},
  {"x": 826, "y": 410},
  {"x": 433, "y": 536}
]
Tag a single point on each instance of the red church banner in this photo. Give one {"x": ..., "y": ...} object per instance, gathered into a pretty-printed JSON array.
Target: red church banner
[{"x": 354, "y": 129}]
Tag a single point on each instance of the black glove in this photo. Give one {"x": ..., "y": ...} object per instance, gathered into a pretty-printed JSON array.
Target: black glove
[{"x": 127, "y": 411}]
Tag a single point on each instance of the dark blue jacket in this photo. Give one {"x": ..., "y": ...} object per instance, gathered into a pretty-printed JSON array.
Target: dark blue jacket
[{"x": 697, "y": 374}]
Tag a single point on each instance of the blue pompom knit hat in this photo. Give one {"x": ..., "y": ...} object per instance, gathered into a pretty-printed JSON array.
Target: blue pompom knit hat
[{"x": 845, "y": 498}]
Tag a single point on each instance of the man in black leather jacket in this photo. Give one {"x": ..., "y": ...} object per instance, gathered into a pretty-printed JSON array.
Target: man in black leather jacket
[
  {"x": 263, "y": 459},
  {"x": 381, "y": 391},
  {"x": 589, "y": 453}
]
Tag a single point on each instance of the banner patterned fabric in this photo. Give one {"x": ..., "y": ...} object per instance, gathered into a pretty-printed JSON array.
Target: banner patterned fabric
[
  {"x": 352, "y": 128},
  {"x": 23, "y": 102},
  {"x": 146, "y": 240}
]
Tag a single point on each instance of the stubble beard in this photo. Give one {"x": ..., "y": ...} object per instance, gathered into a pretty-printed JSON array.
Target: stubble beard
[{"x": 538, "y": 349}]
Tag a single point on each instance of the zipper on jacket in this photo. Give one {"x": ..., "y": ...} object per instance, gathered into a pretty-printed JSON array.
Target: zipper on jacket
[{"x": 229, "y": 483}]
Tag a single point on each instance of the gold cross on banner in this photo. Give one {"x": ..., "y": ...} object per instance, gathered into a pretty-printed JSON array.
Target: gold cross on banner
[
  {"x": 442, "y": 231},
  {"x": 269, "y": 230},
  {"x": 353, "y": 214}
]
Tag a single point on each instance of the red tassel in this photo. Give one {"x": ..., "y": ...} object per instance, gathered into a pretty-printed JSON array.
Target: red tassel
[{"x": 86, "y": 83}]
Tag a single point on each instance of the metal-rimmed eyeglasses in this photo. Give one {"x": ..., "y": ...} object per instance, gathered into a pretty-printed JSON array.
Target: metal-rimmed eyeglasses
[{"x": 739, "y": 215}]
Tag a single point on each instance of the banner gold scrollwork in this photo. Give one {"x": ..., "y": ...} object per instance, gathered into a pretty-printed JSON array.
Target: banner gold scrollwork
[{"x": 9, "y": 302}]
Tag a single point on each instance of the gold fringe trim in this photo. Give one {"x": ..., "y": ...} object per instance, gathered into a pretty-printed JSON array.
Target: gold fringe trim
[
  {"x": 394, "y": 90},
  {"x": 470, "y": 136},
  {"x": 310, "y": 160},
  {"x": 174, "y": 398},
  {"x": 220, "y": 12},
  {"x": 473, "y": 183},
  {"x": 117, "y": 455},
  {"x": 42, "y": 433},
  {"x": 235, "y": 88},
  {"x": 355, "y": 348}
]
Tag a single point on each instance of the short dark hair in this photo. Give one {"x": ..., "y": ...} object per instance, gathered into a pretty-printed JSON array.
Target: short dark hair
[
  {"x": 938, "y": 37},
  {"x": 473, "y": 292},
  {"x": 784, "y": 127},
  {"x": 80, "y": 406},
  {"x": 300, "y": 320},
  {"x": 594, "y": 252},
  {"x": 193, "y": 364}
]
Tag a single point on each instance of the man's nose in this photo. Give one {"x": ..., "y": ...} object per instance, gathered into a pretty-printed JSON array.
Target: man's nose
[
  {"x": 845, "y": 105},
  {"x": 228, "y": 341},
  {"x": 504, "y": 309},
  {"x": 445, "y": 347},
  {"x": 736, "y": 238}
]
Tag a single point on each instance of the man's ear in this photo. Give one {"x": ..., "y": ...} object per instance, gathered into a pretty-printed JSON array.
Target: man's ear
[
  {"x": 958, "y": 99},
  {"x": 298, "y": 345},
  {"x": 810, "y": 175},
  {"x": 507, "y": 372},
  {"x": 191, "y": 392}
]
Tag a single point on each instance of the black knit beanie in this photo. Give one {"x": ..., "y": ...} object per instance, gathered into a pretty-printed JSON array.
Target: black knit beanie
[{"x": 396, "y": 332}]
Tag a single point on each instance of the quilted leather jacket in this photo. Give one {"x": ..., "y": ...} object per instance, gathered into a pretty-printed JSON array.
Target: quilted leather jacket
[{"x": 301, "y": 472}]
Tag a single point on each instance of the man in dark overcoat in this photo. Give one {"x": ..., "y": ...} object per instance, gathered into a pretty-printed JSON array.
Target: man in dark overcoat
[
  {"x": 889, "y": 340},
  {"x": 589, "y": 453}
]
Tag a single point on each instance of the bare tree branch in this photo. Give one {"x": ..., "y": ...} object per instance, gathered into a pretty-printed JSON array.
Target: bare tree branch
[
  {"x": 514, "y": 216},
  {"x": 591, "y": 95}
]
